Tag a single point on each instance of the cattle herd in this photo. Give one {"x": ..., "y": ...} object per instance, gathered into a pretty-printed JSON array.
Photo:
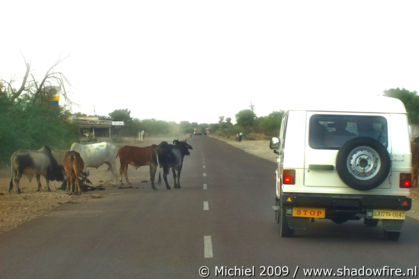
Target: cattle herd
[{"x": 80, "y": 157}]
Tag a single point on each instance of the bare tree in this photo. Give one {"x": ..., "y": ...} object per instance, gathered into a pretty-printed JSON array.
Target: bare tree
[
  {"x": 34, "y": 88},
  {"x": 23, "y": 85}
]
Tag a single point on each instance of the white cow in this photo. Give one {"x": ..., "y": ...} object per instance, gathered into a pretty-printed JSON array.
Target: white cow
[{"x": 96, "y": 154}]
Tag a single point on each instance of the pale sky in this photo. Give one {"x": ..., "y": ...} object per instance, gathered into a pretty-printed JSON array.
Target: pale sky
[{"x": 198, "y": 60}]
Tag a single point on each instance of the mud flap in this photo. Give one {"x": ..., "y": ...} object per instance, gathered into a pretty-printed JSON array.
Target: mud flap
[
  {"x": 392, "y": 225},
  {"x": 298, "y": 223}
]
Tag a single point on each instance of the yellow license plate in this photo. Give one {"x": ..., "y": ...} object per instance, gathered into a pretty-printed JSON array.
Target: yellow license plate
[
  {"x": 388, "y": 214},
  {"x": 308, "y": 212}
]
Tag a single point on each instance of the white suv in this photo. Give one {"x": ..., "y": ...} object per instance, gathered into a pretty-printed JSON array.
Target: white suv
[{"x": 344, "y": 161}]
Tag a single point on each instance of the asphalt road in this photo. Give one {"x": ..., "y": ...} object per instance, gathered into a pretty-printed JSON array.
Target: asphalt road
[{"x": 221, "y": 218}]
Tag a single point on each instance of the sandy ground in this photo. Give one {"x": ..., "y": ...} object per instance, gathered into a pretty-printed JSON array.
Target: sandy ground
[
  {"x": 16, "y": 209},
  {"x": 258, "y": 148}
]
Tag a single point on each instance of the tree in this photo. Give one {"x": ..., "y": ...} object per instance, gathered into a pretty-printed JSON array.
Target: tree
[
  {"x": 245, "y": 119},
  {"x": 186, "y": 127},
  {"x": 410, "y": 101},
  {"x": 27, "y": 121},
  {"x": 271, "y": 124},
  {"x": 121, "y": 115},
  {"x": 37, "y": 92}
]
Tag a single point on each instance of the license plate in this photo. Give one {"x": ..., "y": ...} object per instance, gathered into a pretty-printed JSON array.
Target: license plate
[
  {"x": 388, "y": 214},
  {"x": 308, "y": 212}
]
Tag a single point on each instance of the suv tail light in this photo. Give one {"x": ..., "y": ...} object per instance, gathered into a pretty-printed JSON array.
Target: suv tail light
[
  {"x": 405, "y": 180},
  {"x": 288, "y": 176}
]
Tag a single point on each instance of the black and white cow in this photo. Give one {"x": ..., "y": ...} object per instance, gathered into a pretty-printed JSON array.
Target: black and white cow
[
  {"x": 34, "y": 162},
  {"x": 171, "y": 156}
]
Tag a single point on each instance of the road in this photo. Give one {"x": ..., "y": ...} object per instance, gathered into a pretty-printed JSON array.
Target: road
[{"x": 221, "y": 218}]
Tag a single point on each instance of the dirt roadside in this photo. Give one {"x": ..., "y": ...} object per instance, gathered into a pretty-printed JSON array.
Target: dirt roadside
[{"x": 261, "y": 149}]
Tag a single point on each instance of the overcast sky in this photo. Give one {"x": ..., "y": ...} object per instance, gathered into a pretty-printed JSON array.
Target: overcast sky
[{"x": 198, "y": 60}]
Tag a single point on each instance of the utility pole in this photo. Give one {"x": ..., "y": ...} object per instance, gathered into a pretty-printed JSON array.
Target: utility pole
[{"x": 252, "y": 107}]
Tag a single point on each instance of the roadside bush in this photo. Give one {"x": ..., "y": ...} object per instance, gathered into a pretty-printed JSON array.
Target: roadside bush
[{"x": 24, "y": 125}]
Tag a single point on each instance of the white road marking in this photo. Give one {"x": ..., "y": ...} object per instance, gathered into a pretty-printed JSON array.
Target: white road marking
[
  {"x": 204, "y": 174},
  {"x": 205, "y": 206},
  {"x": 208, "y": 247},
  {"x": 205, "y": 187},
  {"x": 203, "y": 166}
]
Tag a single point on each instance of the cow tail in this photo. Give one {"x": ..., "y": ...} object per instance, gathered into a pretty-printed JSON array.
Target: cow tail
[
  {"x": 156, "y": 159},
  {"x": 11, "y": 173}
]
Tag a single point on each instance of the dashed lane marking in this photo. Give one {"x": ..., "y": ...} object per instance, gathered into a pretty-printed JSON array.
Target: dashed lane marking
[
  {"x": 208, "y": 253},
  {"x": 204, "y": 174},
  {"x": 205, "y": 186},
  {"x": 205, "y": 206}
]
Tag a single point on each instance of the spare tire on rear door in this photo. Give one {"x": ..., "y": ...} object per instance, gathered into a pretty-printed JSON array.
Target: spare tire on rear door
[{"x": 363, "y": 163}]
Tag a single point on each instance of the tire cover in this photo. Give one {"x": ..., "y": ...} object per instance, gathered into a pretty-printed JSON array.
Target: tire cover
[{"x": 363, "y": 163}]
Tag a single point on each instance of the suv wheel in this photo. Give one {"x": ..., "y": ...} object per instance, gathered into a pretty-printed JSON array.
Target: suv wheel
[
  {"x": 285, "y": 230},
  {"x": 392, "y": 235},
  {"x": 363, "y": 163}
]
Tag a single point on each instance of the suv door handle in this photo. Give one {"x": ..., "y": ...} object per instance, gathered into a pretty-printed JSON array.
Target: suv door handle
[{"x": 315, "y": 167}]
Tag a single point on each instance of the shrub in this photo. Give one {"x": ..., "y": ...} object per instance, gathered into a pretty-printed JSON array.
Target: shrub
[{"x": 24, "y": 125}]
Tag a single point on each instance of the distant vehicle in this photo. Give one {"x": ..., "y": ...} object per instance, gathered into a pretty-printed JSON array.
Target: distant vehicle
[
  {"x": 197, "y": 131},
  {"x": 344, "y": 161}
]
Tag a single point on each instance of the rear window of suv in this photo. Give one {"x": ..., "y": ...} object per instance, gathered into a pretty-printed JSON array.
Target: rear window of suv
[{"x": 332, "y": 131}]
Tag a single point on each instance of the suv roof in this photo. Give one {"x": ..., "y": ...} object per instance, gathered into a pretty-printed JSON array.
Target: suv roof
[{"x": 379, "y": 104}]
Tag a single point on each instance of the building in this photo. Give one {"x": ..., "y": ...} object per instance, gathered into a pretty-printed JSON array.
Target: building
[{"x": 94, "y": 126}]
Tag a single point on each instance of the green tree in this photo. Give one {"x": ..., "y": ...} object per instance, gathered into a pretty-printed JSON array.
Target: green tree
[
  {"x": 271, "y": 124},
  {"x": 186, "y": 127},
  {"x": 27, "y": 120},
  {"x": 245, "y": 119},
  {"x": 121, "y": 115},
  {"x": 224, "y": 127},
  {"x": 410, "y": 101},
  {"x": 131, "y": 127},
  {"x": 26, "y": 125}
]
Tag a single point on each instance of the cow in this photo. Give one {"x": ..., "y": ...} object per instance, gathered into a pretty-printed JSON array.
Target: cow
[
  {"x": 96, "y": 154},
  {"x": 137, "y": 157},
  {"x": 171, "y": 157},
  {"x": 73, "y": 166},
  {"x": 34, "y": 162}
]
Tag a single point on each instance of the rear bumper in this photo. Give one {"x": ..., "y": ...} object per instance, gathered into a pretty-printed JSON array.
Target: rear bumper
[{"x": 353, "y": 203}]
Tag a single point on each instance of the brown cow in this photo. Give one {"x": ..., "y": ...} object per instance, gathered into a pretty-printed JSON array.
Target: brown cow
[
  {"x": 73, "y": 166},
  {"x": 137, "y": 157}
]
